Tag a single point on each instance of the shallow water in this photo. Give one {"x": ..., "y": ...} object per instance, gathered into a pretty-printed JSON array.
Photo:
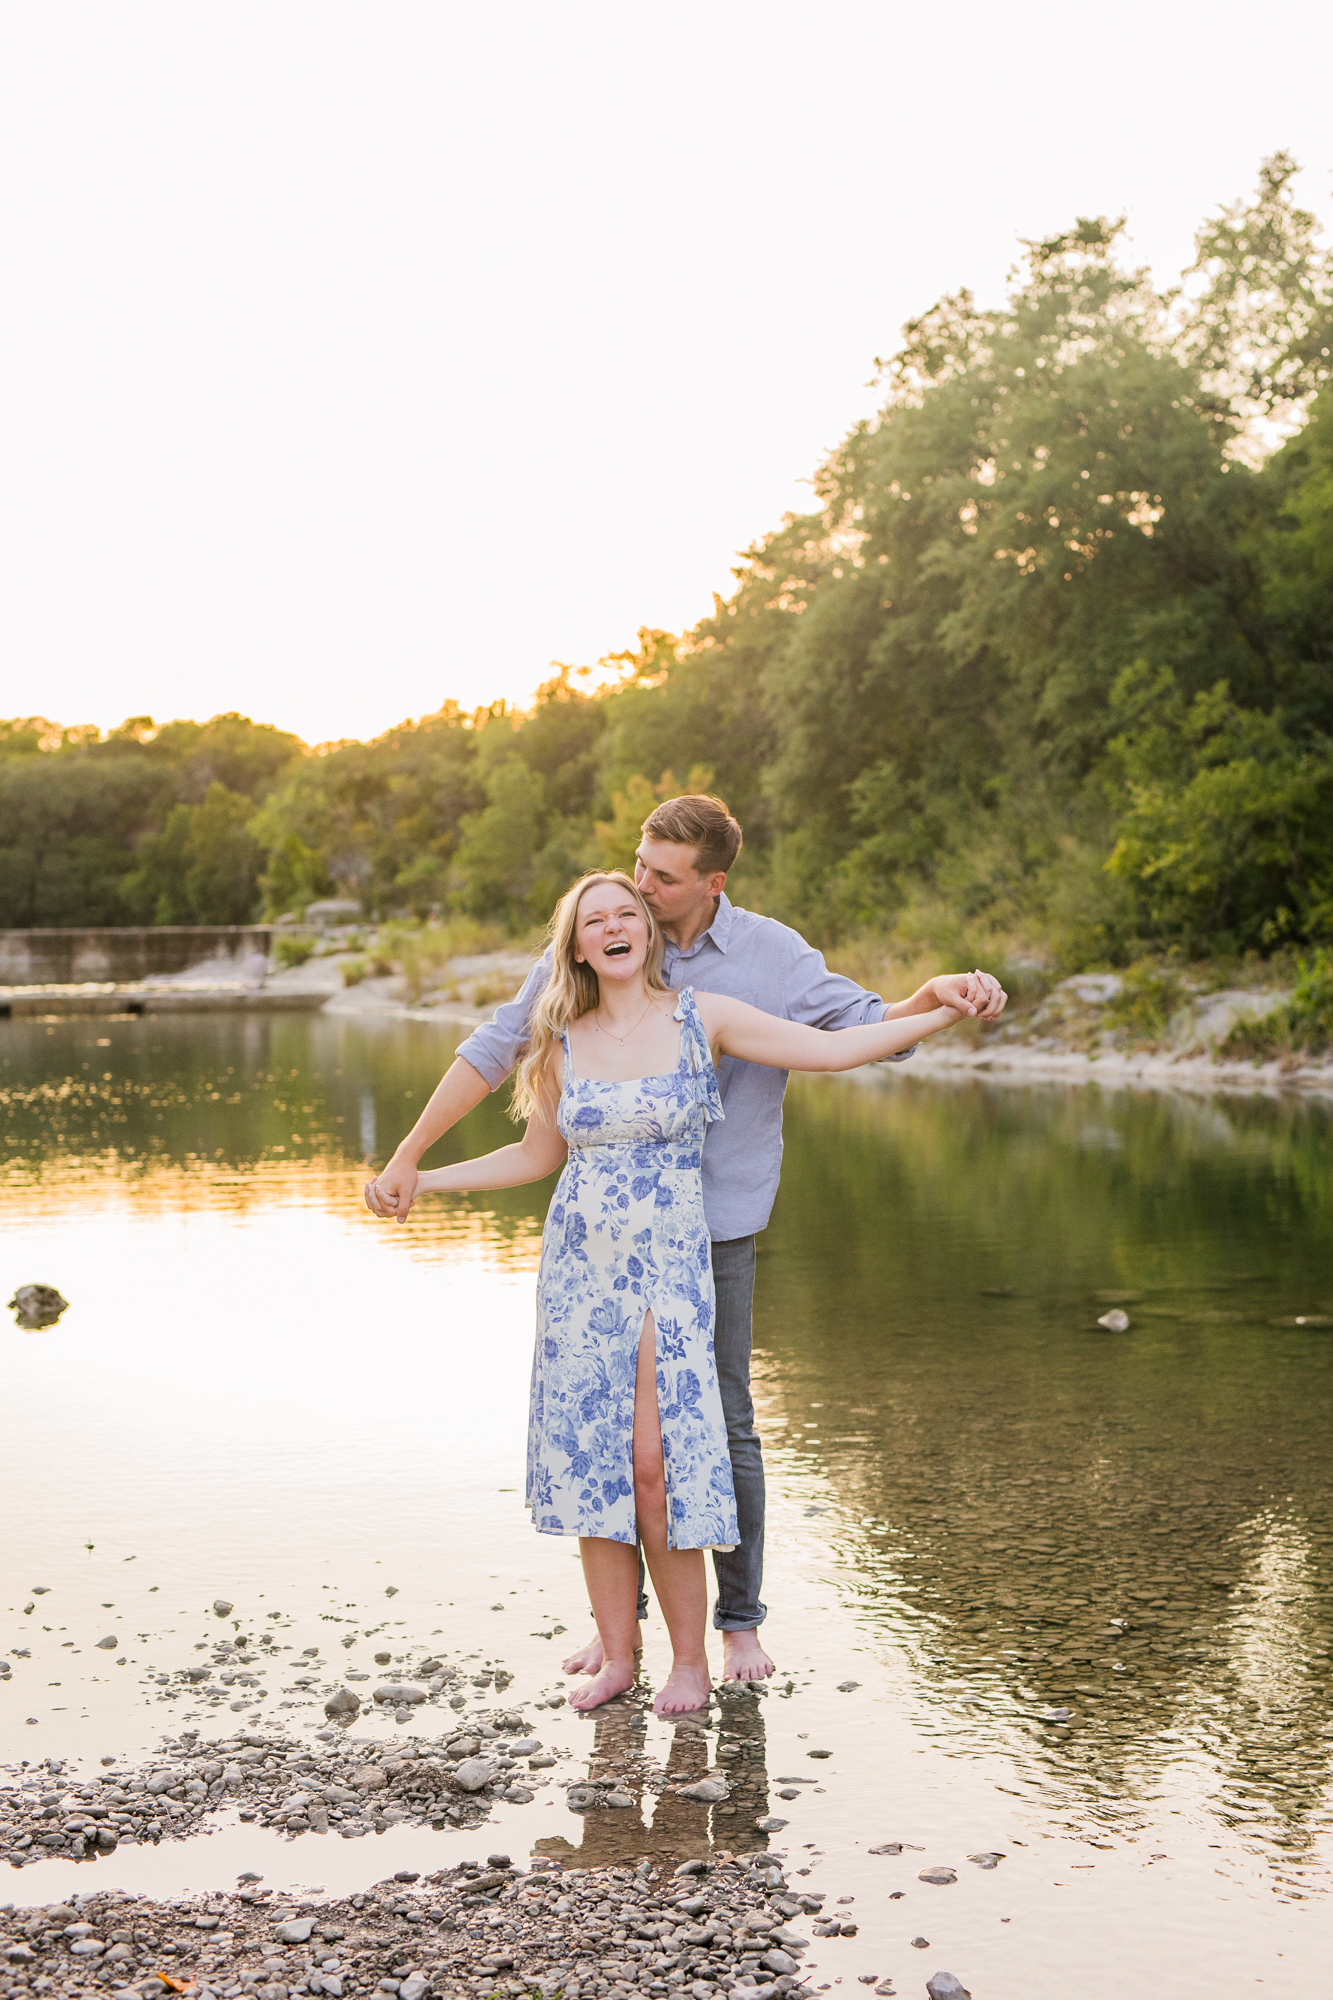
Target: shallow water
[{"x": 984, "y": 1508}]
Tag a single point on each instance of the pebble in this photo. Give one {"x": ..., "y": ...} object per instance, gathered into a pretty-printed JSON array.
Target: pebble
[
  {"x": 543, "y": 1932},
  {"x": 986, "y": 1860},
  {"x": 109, "y": 1644},
  {"x": 222, "y": 1607},
  {"x": 941, "y": 1877},
  {"x": 708, "y": 1791},
  {"x": 943, "y": 1986},
  {"x": 1115, "y": 1321}
]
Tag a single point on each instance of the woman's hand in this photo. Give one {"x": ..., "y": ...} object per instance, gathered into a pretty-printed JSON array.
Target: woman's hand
[{"x": 390, "y": 1195}]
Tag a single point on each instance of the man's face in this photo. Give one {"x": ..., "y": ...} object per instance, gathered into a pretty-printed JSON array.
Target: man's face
[{"x": 669, "y": 882}]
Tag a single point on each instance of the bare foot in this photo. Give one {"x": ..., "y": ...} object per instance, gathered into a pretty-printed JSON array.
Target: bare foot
[
  {"x": 743, "y": 1658},
  {"x": 686, "y": 1688},
  {"x": 589, "y": 1659},
  {"x": 613, "y": 1679}
]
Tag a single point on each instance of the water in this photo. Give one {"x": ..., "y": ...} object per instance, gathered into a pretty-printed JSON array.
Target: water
[{"x": 984, "y": 1508}]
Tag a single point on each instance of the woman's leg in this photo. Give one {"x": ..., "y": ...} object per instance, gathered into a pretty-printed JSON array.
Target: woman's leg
[
  {"x": 611, "y": 1572},
  {"x": 680, "y": 1582}
]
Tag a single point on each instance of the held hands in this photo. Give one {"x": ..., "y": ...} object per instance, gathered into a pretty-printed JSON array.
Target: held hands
[
  {"x": 390, "y": 1195},
  {"x": 972, "y": 995}
]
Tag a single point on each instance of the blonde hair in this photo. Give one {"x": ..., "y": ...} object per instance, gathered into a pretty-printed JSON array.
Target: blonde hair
[{"x": 572, "y": 989}]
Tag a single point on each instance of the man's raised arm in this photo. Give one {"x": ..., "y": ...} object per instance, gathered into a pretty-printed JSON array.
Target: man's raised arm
[
  {"x": 481, "y": 1065},
  {"x": 825, "y": 999}
]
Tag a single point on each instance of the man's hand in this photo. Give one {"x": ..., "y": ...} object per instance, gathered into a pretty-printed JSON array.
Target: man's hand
[
  {"x": 975, "y": 995},
  {"x": 391, "y": 1194}
]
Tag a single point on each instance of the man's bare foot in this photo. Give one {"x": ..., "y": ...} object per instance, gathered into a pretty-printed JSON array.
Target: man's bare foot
[
  {"x": 588, "y": 1660},
  {"x": 686, "y": 1688},
  {"x": 606, "y": 1685},
  {"x": 743, "y": 1658}
]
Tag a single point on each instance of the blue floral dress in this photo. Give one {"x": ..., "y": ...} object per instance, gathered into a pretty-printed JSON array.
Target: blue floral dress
[{"x": 625, "y": 1235}]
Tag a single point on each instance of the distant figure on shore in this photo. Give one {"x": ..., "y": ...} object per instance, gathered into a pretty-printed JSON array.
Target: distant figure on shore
[{"x": 630, "y": 1437}]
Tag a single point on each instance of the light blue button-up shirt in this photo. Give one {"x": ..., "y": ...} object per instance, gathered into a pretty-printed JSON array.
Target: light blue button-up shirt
[{"x": 752, "y": 958}]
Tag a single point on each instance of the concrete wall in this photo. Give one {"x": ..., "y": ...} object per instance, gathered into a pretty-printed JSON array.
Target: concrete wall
[{"x": 40, "y": 958}]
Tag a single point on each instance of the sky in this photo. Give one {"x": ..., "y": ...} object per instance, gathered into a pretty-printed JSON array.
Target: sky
[{"x": 359, "y": 355}]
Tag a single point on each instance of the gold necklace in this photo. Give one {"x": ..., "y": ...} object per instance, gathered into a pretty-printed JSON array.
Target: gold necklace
[{"x": 622, "y": 1039}]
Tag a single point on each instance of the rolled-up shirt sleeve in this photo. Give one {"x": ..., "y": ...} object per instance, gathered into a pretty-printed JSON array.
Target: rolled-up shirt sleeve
[
  {"x": 824, "y": 999},
  {"x": 495, "y": 1047}
]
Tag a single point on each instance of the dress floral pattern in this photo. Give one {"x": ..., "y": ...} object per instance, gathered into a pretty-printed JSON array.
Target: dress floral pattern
[{"x": 625, "y": 1235}]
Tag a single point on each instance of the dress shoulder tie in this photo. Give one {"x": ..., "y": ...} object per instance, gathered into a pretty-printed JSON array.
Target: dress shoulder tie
[{"x": 697, "y": 1057}]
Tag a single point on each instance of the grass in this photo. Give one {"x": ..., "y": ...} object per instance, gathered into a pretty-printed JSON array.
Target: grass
[{"x": 1304, "y": 1027}]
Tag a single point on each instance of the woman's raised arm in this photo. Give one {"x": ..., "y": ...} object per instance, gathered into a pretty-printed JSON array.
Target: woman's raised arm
[{"x": 737, "y": 1029}]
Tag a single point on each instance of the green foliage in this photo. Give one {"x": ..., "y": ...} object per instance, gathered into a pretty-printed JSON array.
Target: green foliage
[
  {"x": 1303, "y": 1027},
  {"x": 202, "y": 868},
  {"x": 292, "y": 951},
  {"x": 1050, "y": 660},
  {"x": 1149, "y": 995}
]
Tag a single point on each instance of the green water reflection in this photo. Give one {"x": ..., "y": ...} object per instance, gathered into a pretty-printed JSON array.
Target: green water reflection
[
  {"x": 1135, "y": 1527},
  {"x": 1043, "y": 1515}
]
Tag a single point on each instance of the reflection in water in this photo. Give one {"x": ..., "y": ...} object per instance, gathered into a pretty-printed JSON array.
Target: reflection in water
[
  {"x": 1132, "y": 1528},
  {"x": 660, "y": 1823},
  {"x": 1025, "y": 1514}
]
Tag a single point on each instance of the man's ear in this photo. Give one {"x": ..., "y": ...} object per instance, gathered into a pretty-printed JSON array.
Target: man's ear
[{"x": 717, "y": 882}]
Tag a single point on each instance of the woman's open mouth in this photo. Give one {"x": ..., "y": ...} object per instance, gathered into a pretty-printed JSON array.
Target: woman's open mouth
[{"x": 618, "y": 950}]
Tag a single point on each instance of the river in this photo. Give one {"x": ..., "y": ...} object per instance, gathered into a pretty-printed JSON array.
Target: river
[{"x": 1041, "y": 1589}]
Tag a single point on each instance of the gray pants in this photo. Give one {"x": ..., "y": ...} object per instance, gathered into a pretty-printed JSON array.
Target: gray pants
[{"x": 740, "y": 1571}]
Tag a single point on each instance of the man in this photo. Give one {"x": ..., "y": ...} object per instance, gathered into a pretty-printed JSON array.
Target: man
[{"x": 681, "y": 866}]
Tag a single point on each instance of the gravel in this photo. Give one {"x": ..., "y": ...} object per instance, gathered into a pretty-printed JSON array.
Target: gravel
[{"x": 462, "y": 1932}]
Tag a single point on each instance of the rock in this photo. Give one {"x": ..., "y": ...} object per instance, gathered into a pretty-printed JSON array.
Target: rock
[
  {"x": 221, "y": 1607},
  {"x": 1114, "y": 1321},
  {"x": 920, "y": 1944},
  {"x": 391, "y": 1590},
  {"x": 36, "y": 1306},
  {"x": 298, "y": 1931},
  {"x": 619, "y": 1800},
  {"x": 770, "y": 1825},
  {"x": 162, "y": 1781},
  {"x": 692, "y": 1868},
  {"x": 1055, "y": 1715},
  {"x": 845, "y": 1687},
  {"x": 819, "y": 1753},
  {"x": 20, "y": 1954},
  {"x": 344, "y": 1702},
  {"x": 987, "y": 1860},
  {"x": 708, "y": 1791},
  {"x": 943, "y": 1986},
  {"x": 87, "y": 1947},
  {"x": 412, "y": 1988},
  {"x": 788, "y": 1792},
  {"x": 779, "y": 1962},
  {"x": 889, "y": 1847},
  {"x": 109, "y": 1644},
  {"x": 519, "y": 1795},
  {"x": 941, "y": 1877},
  {"x": 473, "y": 1773},
  {"x": 399, "y": 1697},
  {"x": 582, "y": 1798},
  {"x": 524, "y": 1747}
]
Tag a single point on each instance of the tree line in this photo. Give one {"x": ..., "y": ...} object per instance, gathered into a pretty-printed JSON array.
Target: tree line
[{"x": 1050, "y": 660}]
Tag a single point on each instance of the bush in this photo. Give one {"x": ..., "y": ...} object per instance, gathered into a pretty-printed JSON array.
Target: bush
[
  {"x": 1147, "y": 999},
  {"x": 1304, "y": 1027},
  {"x": 291, "y": 951}
]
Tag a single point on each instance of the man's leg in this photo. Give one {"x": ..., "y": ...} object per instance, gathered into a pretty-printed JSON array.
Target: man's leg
[{"x": 740, "y": 1572}]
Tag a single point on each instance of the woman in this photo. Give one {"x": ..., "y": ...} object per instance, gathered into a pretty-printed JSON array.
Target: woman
[{"x": 626, "y": 1439}]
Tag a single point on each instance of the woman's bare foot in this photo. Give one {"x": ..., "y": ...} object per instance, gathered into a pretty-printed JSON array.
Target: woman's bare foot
[
  {"x": 743, "y": 1658},
  {"x": 686, "y": 1688},
  {"x": 614, "y": 1678},
  {"x": 588, "y": 1660}
]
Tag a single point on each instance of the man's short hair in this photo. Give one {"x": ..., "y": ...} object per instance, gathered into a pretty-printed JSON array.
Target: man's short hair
[{"x": 699, "y": 822}]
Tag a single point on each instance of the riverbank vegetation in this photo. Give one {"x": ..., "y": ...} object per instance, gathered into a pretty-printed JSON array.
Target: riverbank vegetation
[{"x": 1047, "y": 671}]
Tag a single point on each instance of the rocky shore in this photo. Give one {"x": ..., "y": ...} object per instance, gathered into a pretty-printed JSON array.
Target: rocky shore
[{"x": 725, "y": 1926}]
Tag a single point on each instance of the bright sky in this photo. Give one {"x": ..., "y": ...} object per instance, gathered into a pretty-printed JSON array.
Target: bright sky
[{"x": 358, "y": 355}]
